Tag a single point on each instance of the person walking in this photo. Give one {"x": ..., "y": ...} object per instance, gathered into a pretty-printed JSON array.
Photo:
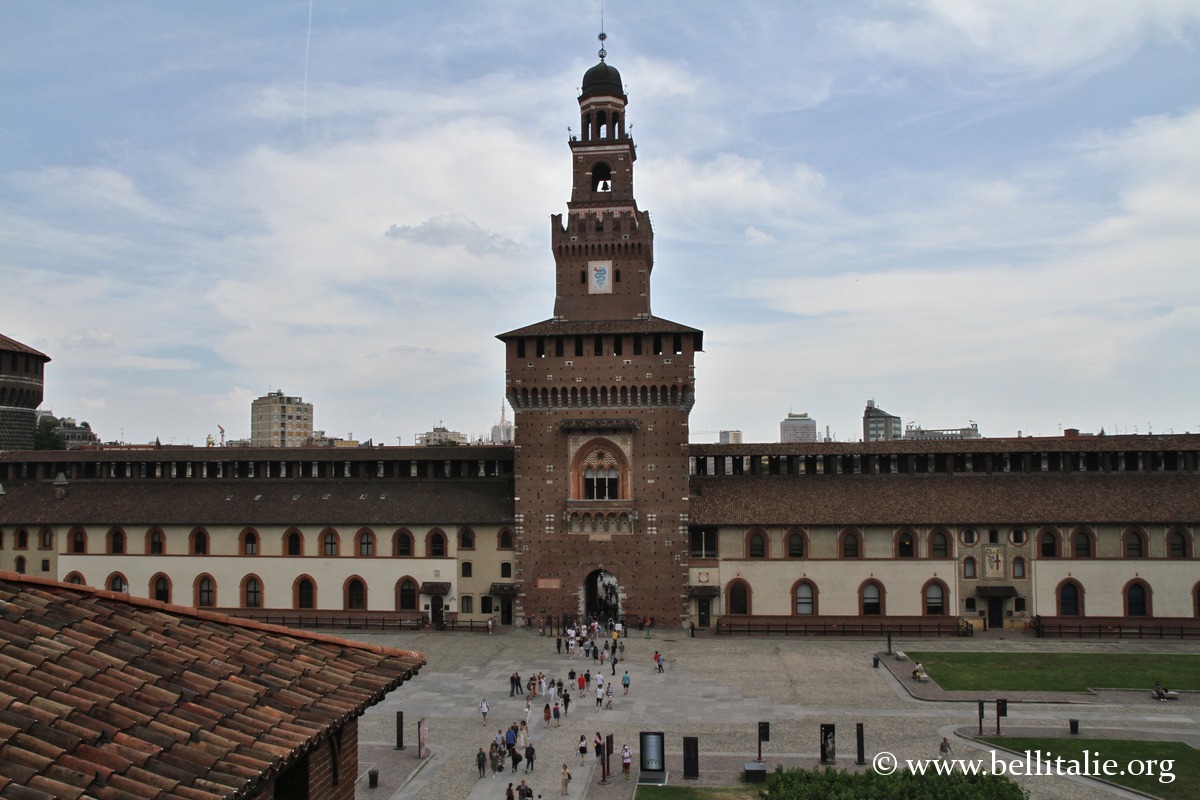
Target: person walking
[
  {"x": 944, "y": 749},
  {"x": 528, "y": 706},
  {"x": 530, "y": 752},
  {"x": 566, "y": 703},
  {"x": 582, "y": 748},
  {"x": 509, "y": 794},
  {"x": 546, "y": 715},
  {"x": 483, "y": 709},
  {"x": 626, "y": 760},
  {"x": 481, "y": 762},
  {"x": 566, "y": 780},
  {"x": 599, "y": 696},
  {"x": 625, "y": 681},
  {"x": 556, "y": 714}
]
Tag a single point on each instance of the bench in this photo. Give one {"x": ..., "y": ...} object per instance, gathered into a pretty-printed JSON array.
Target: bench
[
  {"x": 920, "y": 677},
  {"x": 1169, "y": 694},
  {"x": 900, "y": 656}
]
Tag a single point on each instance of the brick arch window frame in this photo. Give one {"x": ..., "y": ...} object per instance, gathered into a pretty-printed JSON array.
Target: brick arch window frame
[
  {"x": 805, "y": 593},
  {"x": 331, "y": 543},
  {"x": 504, "y": 539},
  {"x": 1178, "y": 542},
  {"x": 757, "y": 544},
  {"x": 1083, "y": 543},
  {"x": 75, "y": 579},
  {"x": 1069, "y": 598},
  {"x": 927, "y": 607},
  {"x": 408, "y": 594},
  {"x": 293, "y": 543},
  {"x": 19, "y": 565},
  {"x": 115, "y": 541},
  {"x": 78, "y": 540},
  {"x": 354, "y": 594},
  {"x": 970, "y": 568},
  {"x": 1049, "y": 543},
  {"x": 252, "y": 591},
  {"x": 940, "y": 543},
  {"x": 117, "y": 582},
  {"x": 435, "y": 544},
  {"x": 249, "y": 542},
  {"x": 739, "y": 597},
  {"x": 204, "y": 591},
  {"x": 1134, "y": 543},
  {"x": 198, "y": 542},
  {"x": 606, "y": 461},
  {"x": 1019, "y": 565},
  {"x": 156, "y": 542},
  {"x": 45, "y": 539},
  {"x": 161, "y": 587},
  {"x": 365, "y": 543},
  {"x": 402, "y": 543},
  {"x": 466, "y": 539},
  {"x": 873, "y": 604},
  {"x": 850, "y": 543},
  {"x": 21, "y": 539},
  {"x": 795, "y": 543},
  {"x": 905, "y": 543},
  {"x": 304, "y": 593},
  {"x": 1137, "y": 599}
]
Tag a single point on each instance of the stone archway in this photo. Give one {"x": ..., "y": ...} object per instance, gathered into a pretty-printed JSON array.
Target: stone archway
[{"x": 601, "y": 597}]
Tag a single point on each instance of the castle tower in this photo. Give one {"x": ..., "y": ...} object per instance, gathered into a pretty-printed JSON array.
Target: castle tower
[
  {"x": 21, "y": 380},
  {"x": 601, "y": 394}
]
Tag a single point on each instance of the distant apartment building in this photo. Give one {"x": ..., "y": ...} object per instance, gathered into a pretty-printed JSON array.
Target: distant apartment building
[
  {"x": 917, "y": 432},
  {"x": 730, "y": 437},
  {"x": 798, "y": 428},
  {"x": 441, "y": 435},
  {"x": 880, "y": 426},
  {"x": 277, "y": 420},
  {"x": 73, "y": 432}
]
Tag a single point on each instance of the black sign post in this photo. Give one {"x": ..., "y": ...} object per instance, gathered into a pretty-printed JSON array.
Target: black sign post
[
  {"x": 764, "y": 735},
  {"x": 691, "y": 757},
  {"x": 399, "y": 730},
  {"x": 862, "y": 750},
  {"x": 828, "y": 743},
  {"x": 981, "y": 718}
]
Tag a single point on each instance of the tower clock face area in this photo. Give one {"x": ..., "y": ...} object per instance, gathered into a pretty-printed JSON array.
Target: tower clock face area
[{"x": 601, "y": 393}]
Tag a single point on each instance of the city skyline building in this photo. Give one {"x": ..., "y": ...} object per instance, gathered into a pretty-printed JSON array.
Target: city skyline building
[
  {"x": 797, "y": 428},
  {"x": 278, "y": 420},
  {"x": 879, "y": 425}
]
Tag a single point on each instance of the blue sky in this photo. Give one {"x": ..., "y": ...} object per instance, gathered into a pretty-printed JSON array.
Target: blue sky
[{"x": 963, "y": 210}]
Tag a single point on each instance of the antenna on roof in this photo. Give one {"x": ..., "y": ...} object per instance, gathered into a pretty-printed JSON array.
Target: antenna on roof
[{"x": 603, "y": 36}]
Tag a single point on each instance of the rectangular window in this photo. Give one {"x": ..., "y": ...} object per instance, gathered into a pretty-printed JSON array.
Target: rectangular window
[
  {"x": 485, "y": 605},
  {"x": 703, "y": 542}
]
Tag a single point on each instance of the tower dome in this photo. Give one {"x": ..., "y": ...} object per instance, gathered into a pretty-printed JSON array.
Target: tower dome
[{"x": 602, "y": 80}]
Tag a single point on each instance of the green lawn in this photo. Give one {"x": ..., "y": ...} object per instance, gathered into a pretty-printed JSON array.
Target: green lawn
[
  {"x": 1058, "y": 672},
  {"x": 1184, "y": 766}
]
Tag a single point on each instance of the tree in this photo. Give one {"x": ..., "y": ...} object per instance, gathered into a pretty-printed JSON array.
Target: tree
[{"x": 48, "y": 437}]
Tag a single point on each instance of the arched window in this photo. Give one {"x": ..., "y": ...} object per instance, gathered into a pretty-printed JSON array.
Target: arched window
[
  {"x": 756, "y": 545},
  {"x": 47, "y": 540},
  {"x": 116, "y": 542},
  {"x": 939, "y": 545},
  {"x": 75, "y": 579},
  {"x": 1178, "y": 545},
  {"x": 160, "y": 588},
  {"x": 252, "y": 592},
  {"x": 22, "y": 538},
  {"x": 294, "y": 545},
  {"x": 356, "y": 595},
  {"x": 466, "y": 539},
  {"x": 250, "y": 543},
  {"x": 969, "y": 567},
  {"x": 20, "y": 565},
  {"x": 806, "y": 599},
  {"x": 206, "y": 592},
  {"x": 851, "y": 545},
  {"x": 199, "y": 543},
  {"x": 366, "y": 543},
  {"x": 467, "y": 569},
  {"x": 404, "y": 544},
  {"x": 506, "y": 540},
  {"x": 78, "y": 541},
  {"x": 906, "y": 545},
  {"x": 1135, "y": 544},
  {"x": 1083, "y": 544},
  {"x": 329, "y": 543},
  {"x": 795, "y": 545},
  {"x": 597, "y": 474},
  {"x": 306, "y": 593},
  {"x": 155, "y": 544},
  {"x": 935, "y": 599},
  {"x": 1070, "y": 599},
  {"x": 738, "y": 597},
  {"x": 117, "y": 583},
  {"x": 407, "y": 595},
  {"x": 1137, "y": 600},
  {"x": 437, "y": 545},
  {"x": 1049, "y": 545},
  {"x": 505, "y": 569},
  {"x": 1018, "y": 567},
  {"x": 871, "y": 599}
]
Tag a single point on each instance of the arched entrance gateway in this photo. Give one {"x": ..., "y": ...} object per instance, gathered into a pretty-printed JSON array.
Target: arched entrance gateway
[{"x": 601, "y": 597}]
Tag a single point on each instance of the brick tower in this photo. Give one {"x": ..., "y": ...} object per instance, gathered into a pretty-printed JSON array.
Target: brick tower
[{"x": 601, "y": 394}]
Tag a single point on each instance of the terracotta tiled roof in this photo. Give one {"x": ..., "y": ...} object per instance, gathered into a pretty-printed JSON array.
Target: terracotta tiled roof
[
  {"x": 553, "y": 327},
  {"x": 946, "y": 499},
  {"x": 110, "y": 696},
  {"x": 13, "y": 346},
  {"x": 164, "y": 501}
]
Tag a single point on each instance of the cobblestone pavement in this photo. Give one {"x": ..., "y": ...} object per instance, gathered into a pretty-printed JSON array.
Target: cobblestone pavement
[{"x": 718, "y": 689}]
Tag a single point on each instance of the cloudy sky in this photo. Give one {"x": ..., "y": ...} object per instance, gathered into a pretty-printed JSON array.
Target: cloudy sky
[{"x": 981, "y": 210}]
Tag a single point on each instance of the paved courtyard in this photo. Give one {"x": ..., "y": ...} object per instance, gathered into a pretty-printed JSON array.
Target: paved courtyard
[{"x": 718, "y": 689}]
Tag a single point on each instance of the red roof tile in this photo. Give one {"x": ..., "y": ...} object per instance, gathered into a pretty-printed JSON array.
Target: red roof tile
[{"x": 104, "y": 695}]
